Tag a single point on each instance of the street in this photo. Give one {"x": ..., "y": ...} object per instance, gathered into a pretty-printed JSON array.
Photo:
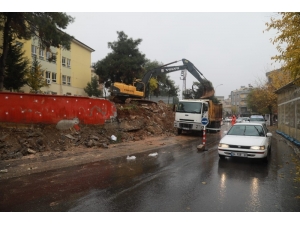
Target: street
[{"x": 177, "y": 179}]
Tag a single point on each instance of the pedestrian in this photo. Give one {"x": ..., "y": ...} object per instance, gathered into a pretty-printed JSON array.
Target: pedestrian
[{"x": 233, "y": 120}]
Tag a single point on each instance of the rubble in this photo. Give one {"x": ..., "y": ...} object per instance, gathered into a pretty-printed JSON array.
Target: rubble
[{"x": 133, "y": 123}]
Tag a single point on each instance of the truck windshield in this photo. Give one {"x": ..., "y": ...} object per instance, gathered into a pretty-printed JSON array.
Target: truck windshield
[{"x": 189, "y": 107}]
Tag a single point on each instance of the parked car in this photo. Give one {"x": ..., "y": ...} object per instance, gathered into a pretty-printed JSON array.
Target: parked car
[
  {"x": 249, "y": 140},
  {"x": 257, "y": 119},
  {"x": 242, "y": 119},
  {"x": 227, "y": 119}
]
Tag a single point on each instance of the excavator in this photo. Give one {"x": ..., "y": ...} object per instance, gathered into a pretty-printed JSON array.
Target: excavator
[{"x": 121, "y": 92}]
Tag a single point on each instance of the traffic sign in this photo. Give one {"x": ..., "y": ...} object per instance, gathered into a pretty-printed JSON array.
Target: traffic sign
[{"x": 204, "y": 121}]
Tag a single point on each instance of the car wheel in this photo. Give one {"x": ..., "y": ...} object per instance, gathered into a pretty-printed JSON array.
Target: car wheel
[
  {"x": 222, "y": 156},
  {"x": 268, "y": 157},
  {"x": 179, "y": 131}
]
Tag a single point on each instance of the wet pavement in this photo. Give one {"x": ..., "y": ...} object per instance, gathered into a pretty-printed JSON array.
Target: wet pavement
[{"x": 178, "y": 179}]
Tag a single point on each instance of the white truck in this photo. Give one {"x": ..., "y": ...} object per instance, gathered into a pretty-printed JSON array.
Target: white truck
[{"x": 189, "y": 114}]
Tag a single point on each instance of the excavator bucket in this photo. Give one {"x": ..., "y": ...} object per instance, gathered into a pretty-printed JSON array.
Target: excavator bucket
[{"x": 208, "y": 89}]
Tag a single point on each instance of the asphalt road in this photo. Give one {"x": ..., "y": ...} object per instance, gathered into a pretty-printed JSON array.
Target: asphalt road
[{"x": 179, "y": 178}]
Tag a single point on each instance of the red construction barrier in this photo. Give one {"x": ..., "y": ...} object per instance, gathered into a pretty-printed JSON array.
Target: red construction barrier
[{"x": 50, "y": 109}]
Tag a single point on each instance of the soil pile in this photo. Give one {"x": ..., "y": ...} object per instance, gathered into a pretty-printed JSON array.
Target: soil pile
[{"x": 133, "y": 123}]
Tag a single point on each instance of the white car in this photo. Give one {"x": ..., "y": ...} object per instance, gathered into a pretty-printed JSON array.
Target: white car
[
  {"x": 242, "y": 119},
  {"x": 227, "y": 119},
  {"x": 257, "y": 119},
  {"x": 249, "y": 140}
]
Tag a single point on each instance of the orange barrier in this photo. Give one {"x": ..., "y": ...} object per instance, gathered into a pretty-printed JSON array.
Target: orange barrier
[{"x": 50, "y": 109}]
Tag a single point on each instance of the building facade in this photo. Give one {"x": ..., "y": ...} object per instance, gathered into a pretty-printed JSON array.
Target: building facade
[
  {"x": 227, "y": 107},
  {"x": 288, "y": 99},
  {"x": 68, "y": 74},
  {"x": 239, "y": 101}
]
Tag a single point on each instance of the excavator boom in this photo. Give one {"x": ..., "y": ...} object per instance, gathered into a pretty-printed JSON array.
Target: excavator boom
[{"x": 123, "y": 91}]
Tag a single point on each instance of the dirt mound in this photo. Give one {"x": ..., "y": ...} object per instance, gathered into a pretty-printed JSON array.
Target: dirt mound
[{"x": 133, "y": 122}]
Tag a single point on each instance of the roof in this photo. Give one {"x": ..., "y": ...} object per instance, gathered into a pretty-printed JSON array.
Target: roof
[
  {"x": 83, "y": 45},
  {"x": 289, "y": 85}
]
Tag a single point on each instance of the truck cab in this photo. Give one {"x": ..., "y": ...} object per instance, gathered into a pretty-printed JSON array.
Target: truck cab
[{"x": 189, "y": 114}]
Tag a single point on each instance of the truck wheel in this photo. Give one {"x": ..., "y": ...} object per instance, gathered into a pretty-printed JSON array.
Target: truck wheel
[
  {"x": 222, "y": 156},
  {"x": 179, "y": 131}
]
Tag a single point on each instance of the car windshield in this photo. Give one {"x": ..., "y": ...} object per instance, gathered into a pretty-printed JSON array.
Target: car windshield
[
  {"x": 247, "y": 130},
  {"x": 257, "y": 119}
]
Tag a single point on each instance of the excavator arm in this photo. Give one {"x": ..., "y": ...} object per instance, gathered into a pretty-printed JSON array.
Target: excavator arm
[
  {"x": 208, "y": 88},
  {"x": 121, "y": 92}
]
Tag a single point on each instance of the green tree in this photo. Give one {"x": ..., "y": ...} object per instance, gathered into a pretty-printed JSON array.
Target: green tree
[
  {"x": 92, "y": 88},
  {"x": 45, "y": 26},
  {"x": 124, "y": 63},
  {"x": 35, "y": 79},
  {"x": 263, "y": 99},
  {"x": 288, "y": 41},
  {"x": 165, "y": 85},
  {"x": 17, "y": 67}
]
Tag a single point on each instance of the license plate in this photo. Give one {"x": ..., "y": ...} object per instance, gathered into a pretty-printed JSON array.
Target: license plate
[{"x": 239, "y": 154}]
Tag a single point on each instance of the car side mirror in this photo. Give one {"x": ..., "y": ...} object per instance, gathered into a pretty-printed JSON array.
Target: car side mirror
[{"x": 225, "y": 132}]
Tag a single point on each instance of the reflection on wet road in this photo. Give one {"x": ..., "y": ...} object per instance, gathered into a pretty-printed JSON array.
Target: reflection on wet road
[{"x": 177, "y": 179}]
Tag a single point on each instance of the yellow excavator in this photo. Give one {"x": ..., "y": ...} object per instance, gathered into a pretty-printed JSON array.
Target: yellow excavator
[{"x": 121, "y": 92}]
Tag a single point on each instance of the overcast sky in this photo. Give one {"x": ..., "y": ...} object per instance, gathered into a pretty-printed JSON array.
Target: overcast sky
[
  {"x": 225, "y": 40},
  {"x": 229, "y": 48}
]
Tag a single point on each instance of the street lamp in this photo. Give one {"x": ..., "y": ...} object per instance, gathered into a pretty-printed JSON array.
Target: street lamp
[{"x": 217, "y": 86}]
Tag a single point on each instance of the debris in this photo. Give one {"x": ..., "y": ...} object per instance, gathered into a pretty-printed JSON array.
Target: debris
[
  {"x": 131, "y": 158},
  {"x": 70, "y": 136},
  {"x": 31, "y": 151},
  {"x": 113, "y": 137},
  {"x": 153, "y": 154},
  {"x": 4, "y": 171},
  {"x": 94, "y": 137},
  {"x": 201, "y": 147}
]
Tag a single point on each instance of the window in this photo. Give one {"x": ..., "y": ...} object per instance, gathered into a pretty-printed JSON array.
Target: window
[
  {"x": 69, "y": 63},
  {"x": 48, "y": 74},
  {"x": 48, "y": 55},
  {"x": 19, "y": 43},
  {"x": 33, "y": 50},
  {"x": 64, "y": 79},
  {"x": 68, "y": 80},
  {"x": 54, "y": 77},
  {"x": 41, "y": 53},
  {"x": 63, "y": 61}
]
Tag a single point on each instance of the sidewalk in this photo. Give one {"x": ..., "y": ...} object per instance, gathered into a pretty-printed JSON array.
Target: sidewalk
[{"x": 77, "y": 156}]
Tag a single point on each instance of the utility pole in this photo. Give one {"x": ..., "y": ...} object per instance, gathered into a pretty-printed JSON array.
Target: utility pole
[{"x": 183, "y": 77}]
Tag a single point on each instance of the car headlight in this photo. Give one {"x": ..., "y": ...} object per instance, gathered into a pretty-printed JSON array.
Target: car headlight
[
  {"x": 258, "y": 147},
  {"x": 221, "y": 145}
]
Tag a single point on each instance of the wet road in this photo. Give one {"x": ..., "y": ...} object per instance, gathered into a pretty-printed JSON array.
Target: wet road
[{"x": 177, "y": 179}]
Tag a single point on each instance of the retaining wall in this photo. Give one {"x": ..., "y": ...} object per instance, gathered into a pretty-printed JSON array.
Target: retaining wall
[{"x": 50, "y": 109}]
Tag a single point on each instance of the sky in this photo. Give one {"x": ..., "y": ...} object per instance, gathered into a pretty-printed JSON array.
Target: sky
[
  {"x": 230, "y": 49},
  {"x": 223, "y": 39}
]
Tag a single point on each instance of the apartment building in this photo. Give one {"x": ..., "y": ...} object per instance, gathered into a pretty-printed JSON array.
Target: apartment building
[
  {"x": 239, "y": 101},
  {"x": 68, "y": 74},
  {"x": 227, "y": 107}
]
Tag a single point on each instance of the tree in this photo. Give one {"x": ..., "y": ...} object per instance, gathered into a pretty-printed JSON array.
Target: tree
[
  {"x": 124, "y": 63},
  {"x": 92, "y": 88},
  {"x": 164, "y": 85},
  {"x": 35, "y": 79},
  {"x": 41, "y": 25},
  {"x": 17, "y": 68},
  {"x": 263, "y": 99},
  {"x": 288, "y": 41}
]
